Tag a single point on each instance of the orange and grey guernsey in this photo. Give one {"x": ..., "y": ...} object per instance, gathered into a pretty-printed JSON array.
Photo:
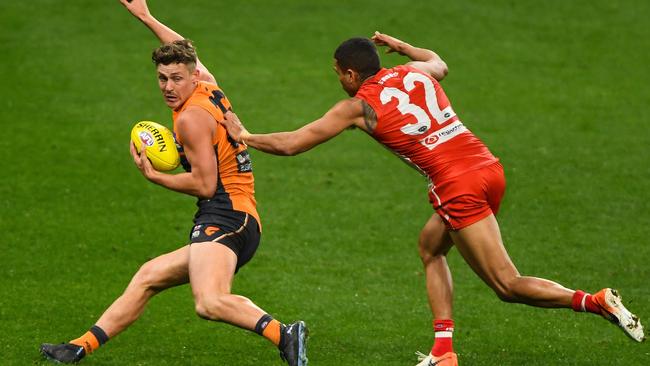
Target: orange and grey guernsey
[{"x": 235, "y": 182}]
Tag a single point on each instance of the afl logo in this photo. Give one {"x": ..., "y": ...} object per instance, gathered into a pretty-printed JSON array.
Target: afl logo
[
  {"x": 431, "y": 140},
  {"x": 146, "y": 138}
]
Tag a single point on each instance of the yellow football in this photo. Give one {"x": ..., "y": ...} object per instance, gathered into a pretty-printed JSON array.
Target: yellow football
[{"x": 159, "y": 142}]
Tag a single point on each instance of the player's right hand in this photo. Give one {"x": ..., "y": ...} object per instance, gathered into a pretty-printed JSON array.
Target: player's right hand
[
  {"x": 141, "y": 161},
  {"x": 138, "y": 8}
]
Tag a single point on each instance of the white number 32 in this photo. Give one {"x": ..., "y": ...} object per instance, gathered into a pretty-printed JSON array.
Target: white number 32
[{"x": 423, "y": 122}]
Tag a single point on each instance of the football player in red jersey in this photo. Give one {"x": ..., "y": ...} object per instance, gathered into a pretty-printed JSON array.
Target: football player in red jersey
[{"x": 406, "y": 109}]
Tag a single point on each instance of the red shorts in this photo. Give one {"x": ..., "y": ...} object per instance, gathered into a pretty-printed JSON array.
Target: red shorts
[{"x": 469, "y": 197}]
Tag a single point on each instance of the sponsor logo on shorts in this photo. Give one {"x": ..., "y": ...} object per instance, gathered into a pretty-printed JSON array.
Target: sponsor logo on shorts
[{"x": 196, "y": 233}]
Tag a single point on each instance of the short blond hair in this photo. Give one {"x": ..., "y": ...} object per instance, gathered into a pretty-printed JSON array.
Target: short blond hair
[{"x": 176, "y": 52}]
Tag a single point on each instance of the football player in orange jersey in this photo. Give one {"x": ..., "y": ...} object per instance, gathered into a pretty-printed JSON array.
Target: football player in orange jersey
[
  {"x": 226, "y": 233},
  {"x": 405, "y": 109}
]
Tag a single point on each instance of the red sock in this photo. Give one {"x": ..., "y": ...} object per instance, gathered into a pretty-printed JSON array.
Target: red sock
[
  {"x": 584, "y": 302},
  {"x": 444, "y": 331}
]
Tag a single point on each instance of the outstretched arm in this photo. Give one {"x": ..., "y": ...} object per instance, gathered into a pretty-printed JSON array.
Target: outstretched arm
[
  {"x": 139, "y": 9},
  {"x": 344, "y": 114},
  {"x": 422, "y": 58}
]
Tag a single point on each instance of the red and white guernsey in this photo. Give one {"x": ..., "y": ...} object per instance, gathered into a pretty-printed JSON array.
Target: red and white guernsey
[{"x": 415, "y": 120}]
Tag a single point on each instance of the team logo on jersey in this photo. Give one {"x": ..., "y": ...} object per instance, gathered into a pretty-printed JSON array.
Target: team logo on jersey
[{"x": 146, "y": 138}]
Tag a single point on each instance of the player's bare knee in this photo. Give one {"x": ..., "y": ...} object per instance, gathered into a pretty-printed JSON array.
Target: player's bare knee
[
  {"x": 505, "y": 295},
  {"x": 431, "y": 249},
  {"x": 209, "y": 307},
  {"x": 425, "y": 249},
  {"x": 429, "y": 258},
  {"x": 429, "y": 254},
  {"x": 202, "y": 310},
  {"x": 146, "y": 278},
  {"x": 505, "y": 289},
  {"x": 425, "y": 255}
]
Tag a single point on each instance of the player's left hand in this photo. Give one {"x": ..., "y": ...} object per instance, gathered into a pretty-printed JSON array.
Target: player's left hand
[
  {"x": 235, "y": 128},
  {"x": 393, "y": 44},
  {"x": 142, "y": 161}
]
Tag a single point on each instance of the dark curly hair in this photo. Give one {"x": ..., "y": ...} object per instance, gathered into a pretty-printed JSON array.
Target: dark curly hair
[{"x": 358, "y": 54}]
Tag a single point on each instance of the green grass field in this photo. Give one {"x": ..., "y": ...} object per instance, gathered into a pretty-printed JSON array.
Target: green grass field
[{"x": 558, "y": 90}]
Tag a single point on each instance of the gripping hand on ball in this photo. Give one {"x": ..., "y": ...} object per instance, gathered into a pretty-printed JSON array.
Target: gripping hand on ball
[{"x": 142, "y": 162}]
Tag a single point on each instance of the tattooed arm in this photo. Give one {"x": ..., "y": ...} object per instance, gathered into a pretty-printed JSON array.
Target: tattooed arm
[{"x": 344, "y": 114}]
